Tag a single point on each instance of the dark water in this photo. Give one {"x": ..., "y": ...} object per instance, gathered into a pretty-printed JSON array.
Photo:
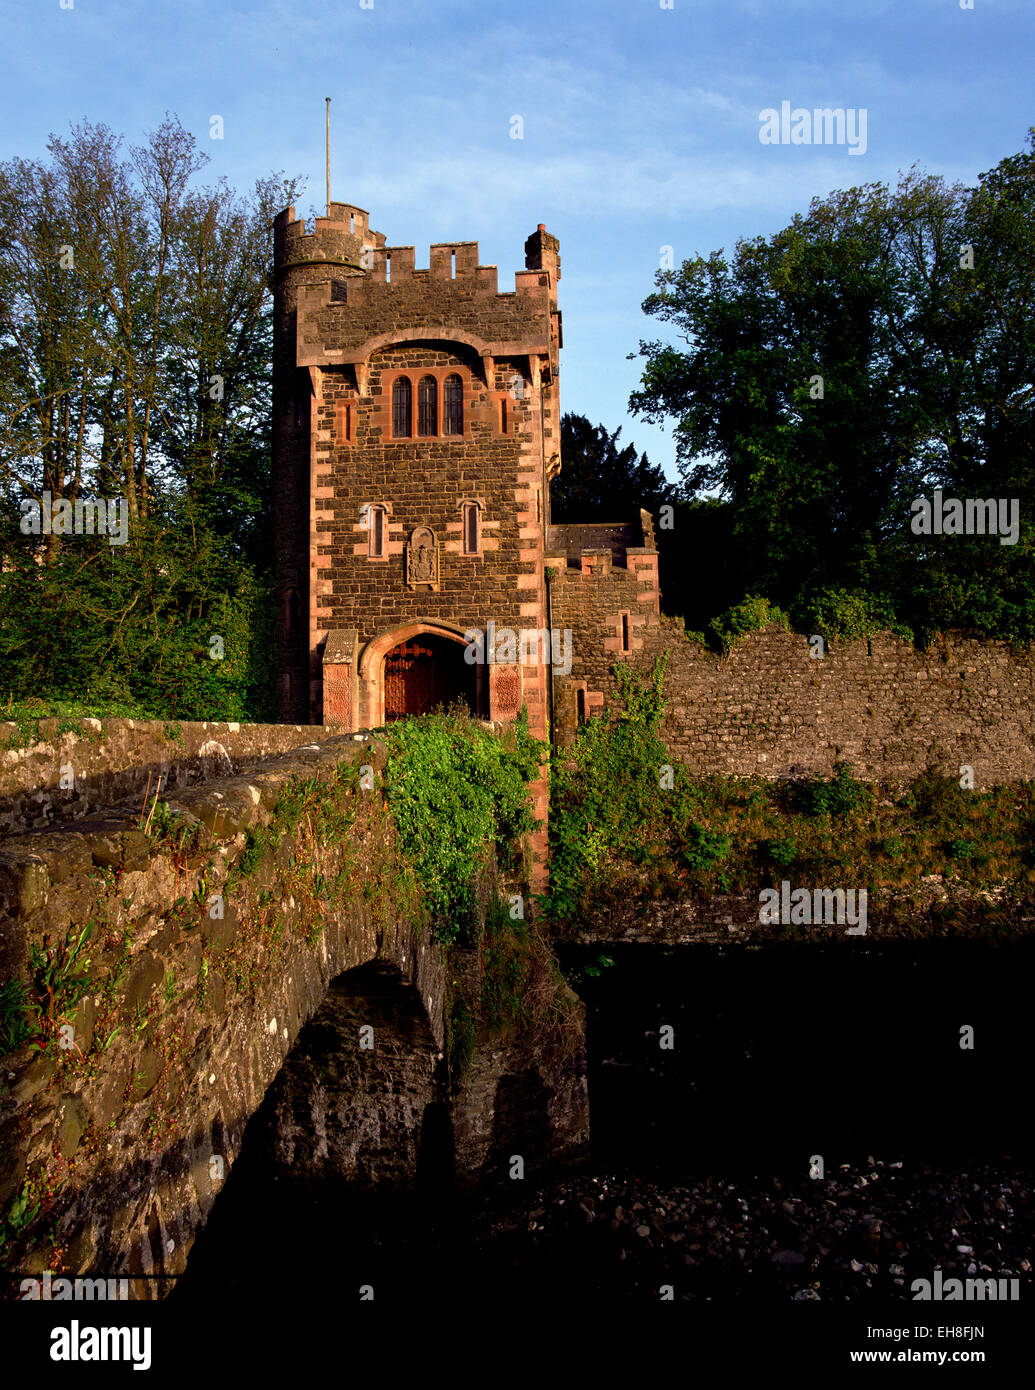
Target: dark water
[
  {"x": 793, "y": 1050},
  {"x": 780, "y": 1054}
]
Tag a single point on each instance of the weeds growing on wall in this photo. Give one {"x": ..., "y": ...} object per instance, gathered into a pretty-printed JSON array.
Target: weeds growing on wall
[
  {"x": 456, "y": 792},
  {"x": 516, "y": 986},
  {"x": 628, "y": 823},
  {"x": 16, "y": 1026},
  {"x": 751, "y": 614},
  {"x": 605, "y": 806}
]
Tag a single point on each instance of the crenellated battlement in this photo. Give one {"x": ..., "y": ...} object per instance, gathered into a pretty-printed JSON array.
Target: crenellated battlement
[
  {"x": 450, "y": 261},
  {"x": 343, "y": 319},
  {"x": 345, "y": 238},
  {"x": 344, "y": 217}
]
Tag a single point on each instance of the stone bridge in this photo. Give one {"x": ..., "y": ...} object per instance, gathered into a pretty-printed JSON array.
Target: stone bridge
[{"x": 255, "y": 934}]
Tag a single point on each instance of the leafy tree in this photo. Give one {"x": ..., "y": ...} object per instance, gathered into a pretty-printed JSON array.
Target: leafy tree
[
  {"x": 599, "y": 481},
  {"x": 849, "y": 364},
  {"x": 135, "y": 347}
]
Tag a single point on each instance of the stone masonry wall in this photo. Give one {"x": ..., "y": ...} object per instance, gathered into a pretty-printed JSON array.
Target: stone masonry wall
[
  {"x": 770, "y": 709},
  {"x": 888, "y": 709},
  {"x": 214, "y": 937},
  {"x": 422, "y": 482},
  {"x": 69, "y": 772}
]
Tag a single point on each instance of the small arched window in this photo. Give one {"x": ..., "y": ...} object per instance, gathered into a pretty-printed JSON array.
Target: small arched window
[
  {"x": 376, "y": 523},
  {"x": 453, "y": 405},
  {"x": 427, "y": 406},
  {"x": 472, "y": 529},
  {"x": 292, "y": 611},
  {"x": 402, "y": 407}
]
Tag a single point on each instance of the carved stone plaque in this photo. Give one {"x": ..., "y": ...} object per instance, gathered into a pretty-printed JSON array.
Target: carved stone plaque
[{"x": 422, "y": 558}]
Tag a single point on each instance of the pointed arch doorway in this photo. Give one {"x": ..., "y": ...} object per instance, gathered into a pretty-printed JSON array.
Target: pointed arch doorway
[{"x": 425, "y": 672}]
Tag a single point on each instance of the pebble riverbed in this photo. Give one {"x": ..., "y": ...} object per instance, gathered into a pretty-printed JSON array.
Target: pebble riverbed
[{"x": 859, "y": 1233}]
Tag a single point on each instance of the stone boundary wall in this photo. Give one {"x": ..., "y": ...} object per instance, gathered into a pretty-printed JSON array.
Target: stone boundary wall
[
  {"x": 769, "y": 709},
  {"x": 104, "y": 761},
  {"x": 126, "y": 1135},
  {"x": 938, "y": 906}
]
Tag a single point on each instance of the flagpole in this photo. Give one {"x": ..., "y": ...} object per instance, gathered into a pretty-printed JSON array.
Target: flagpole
[{"x": 328, "y": 100}]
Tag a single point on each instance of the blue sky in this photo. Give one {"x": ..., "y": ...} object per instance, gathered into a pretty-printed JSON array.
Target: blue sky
[{"x": 641, "y": 123}]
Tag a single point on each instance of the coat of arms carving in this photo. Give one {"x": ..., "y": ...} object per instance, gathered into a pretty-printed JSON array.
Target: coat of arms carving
[{"x": 422, "y": 558}]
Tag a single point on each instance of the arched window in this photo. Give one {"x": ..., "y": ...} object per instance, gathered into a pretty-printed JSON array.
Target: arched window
[
  {"x": 453, "y": 405},
  {"x": 292, "y": 611},
  {"x": 427, "y": 406},
  {"x": 402, "y": 405},
  {"x": 472, "y": 536},
  {"x": 376, "y": 523}
]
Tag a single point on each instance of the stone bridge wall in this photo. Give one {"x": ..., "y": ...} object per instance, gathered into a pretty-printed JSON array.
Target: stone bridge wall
[
  {"x": 205, "y": 962},
  {"x": 70, "y": 768}
]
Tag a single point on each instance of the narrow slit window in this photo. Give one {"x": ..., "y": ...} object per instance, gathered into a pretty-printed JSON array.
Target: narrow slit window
[
  {"x": 580, "y": 706},
  {"x": 503, "y": 416},
  {"x": 293, "y": 611},
  {"x": 625, "y": 632},
  {"x": 377, "y": 533},
  {"x": 472, "y": 538},
  {"x": 427, "y": 406},
  {"x": 453, "y": 406},
  {"x": 402, "y": 403}
]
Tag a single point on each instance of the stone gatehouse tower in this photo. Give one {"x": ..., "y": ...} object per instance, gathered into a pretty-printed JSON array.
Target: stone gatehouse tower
[
  {"x": 416, "y": 432},
  {"x": 416, "y": 429}
]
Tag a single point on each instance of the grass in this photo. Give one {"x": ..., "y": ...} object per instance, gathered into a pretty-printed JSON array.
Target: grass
[
  {"x": 26, "y": 714},
  {"x": 730, "y": 835}
]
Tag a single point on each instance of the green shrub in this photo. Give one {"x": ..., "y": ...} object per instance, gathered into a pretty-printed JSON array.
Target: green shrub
[
  {"x": 962, "y": 850},
  {"x": 751, "y": 614},
  {"x": 606, "y": 799},
  {"x": 937, "y": 799},
  {"x": 704, "y": 847},
  {"x": 458, "y": 795},
  {"x": 781, "y": 852},
  {"x": 849, "y": 614},
  {"x": 837, "y": 796}
]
